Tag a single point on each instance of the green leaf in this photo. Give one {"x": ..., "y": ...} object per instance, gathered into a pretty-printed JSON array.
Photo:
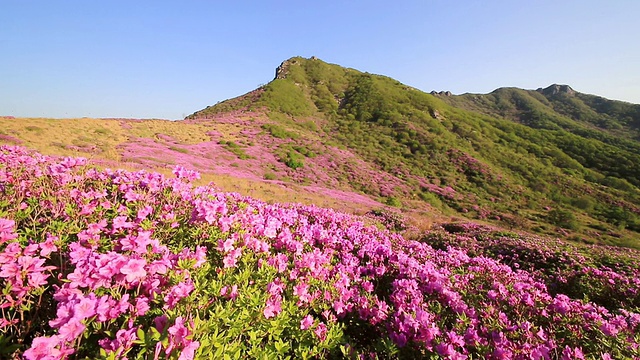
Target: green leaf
[{"x": 141, "y": 334}]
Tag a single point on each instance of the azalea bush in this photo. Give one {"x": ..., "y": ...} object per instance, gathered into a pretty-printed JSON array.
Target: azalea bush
[
  {"x": 116, "y": 264},
  {"x": 607, "y": 276}
]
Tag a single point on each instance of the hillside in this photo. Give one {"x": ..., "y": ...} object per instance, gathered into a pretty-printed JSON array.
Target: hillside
[
  {"x": 119, "y": 264},
  {"x": 553, "y": 161}
]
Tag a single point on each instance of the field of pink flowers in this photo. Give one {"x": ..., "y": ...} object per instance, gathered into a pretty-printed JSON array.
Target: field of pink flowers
[{"x": 113, "y": 264}]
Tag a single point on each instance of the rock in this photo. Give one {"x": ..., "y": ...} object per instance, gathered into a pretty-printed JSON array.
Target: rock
[{"x": 556, "y": 89}]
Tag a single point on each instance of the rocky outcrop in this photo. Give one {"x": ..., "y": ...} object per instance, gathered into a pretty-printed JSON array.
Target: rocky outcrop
[
  {"x": 441, "y": 93},
  {"x": 281, "y": 71},
  {"x": 556, "y": 89}
]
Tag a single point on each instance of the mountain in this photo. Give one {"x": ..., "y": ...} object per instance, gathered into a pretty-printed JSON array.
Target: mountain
[{"x": 551, "y": 160}]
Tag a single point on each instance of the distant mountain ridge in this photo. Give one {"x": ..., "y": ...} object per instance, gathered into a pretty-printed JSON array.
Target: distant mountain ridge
[{"x": 552, "y": 160}]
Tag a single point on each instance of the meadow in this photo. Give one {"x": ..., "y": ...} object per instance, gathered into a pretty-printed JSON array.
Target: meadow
[{"x": 115, "y": 264}]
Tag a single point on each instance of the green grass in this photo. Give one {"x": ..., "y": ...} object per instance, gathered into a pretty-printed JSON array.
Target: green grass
[
  {"x": 236, "y": 149},
  {"x": 279, "y": 132},
  {"x": 179, "y": 149}
]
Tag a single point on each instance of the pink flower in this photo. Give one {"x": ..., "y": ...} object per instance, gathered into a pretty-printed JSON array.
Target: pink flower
[
  {"x": 102, "y": 307},
  {"x": 178, "y": 330},
  {"x": 231, "y": 259},
  {"x": 188, "y": 353},
  {"x": 178, "y": 292},
  {"x": 272, "y": 309},
  {"x": 201, "y": 256},
  {"x": 7, "y": 225},
  {"x": 142, "y": 306},
  {"x": 306, "y": 322},
  {"x": 275, "y": 287},
  {"x": 6, "y": 230},
  {"x": 182, "y": 173},
  {"x": 44, "y": 347},
  {"x": 609, "y": 329},
  {"x": 134, "y": 270},
  {"x": 31, "y": 249},
  {"x": 226, "y": 245},
  {"x": 48, "y": 246},
  {"x": 71, "y": 329},
  {"x": 120, "y": 222},
  {"x": 84, "y": 309},
  {"x": 10, "y": 270},
  {"x": 321, "y": 331}
]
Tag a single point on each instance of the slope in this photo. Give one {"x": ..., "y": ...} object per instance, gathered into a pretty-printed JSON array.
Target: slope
[{"x": 513, "y": 156}]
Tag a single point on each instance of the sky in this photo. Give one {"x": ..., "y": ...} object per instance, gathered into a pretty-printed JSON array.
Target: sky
[{"x": 168, "y": 59}]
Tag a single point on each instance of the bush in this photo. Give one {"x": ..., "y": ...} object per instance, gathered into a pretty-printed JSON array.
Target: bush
[
  {"x": 393, "y": 201},
  {"x": 279, "y": 132},
  {"x": 563, "y": 218},
  {"x": 294, "y": 160}
]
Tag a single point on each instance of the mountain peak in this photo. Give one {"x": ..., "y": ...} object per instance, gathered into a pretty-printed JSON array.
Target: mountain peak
[
  {"x": 557, "y": 89},
  {"x": 283, "y": 69}
]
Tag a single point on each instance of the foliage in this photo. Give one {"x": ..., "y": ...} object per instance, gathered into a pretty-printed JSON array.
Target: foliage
[
  {"x": 279, "y": 132},
  {"x": 293, "y": 160},
  {"x": 391, "y": 220},
  {"x": 563, "y": 218},
  {"x": 286, "y": 97},
  {"x": 236, "y": 149}
]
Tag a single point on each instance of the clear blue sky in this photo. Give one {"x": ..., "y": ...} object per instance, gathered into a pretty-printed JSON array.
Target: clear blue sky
[{"x": 167, "y": 59}]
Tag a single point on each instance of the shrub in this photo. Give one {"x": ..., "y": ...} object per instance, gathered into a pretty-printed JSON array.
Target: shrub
[
  {"x": 563, "y": 218},
  {"x": 393, "y": 201},
  {"x": 294, "y": 160},
  {"x": 279, "y": 132}
]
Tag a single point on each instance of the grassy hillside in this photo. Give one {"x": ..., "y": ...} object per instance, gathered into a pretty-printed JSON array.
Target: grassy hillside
[{"x": 556, "y": 162}]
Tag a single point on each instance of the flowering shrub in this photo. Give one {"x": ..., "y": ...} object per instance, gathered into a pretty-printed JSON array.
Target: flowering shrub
[
  {"x": 607, "y": 276},
  {"x": 115, "y": 264},
  {"x": 391, "y": 220}
]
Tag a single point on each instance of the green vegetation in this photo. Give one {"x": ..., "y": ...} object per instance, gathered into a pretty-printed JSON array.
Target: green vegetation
[
  {"x": 286, "y": 97},
  {"x": 279, "y": 132},
  {"x": 563, "y": 218},
  {"x": 236, "y": 149},
  {"x": 293, "y": 160},
  {"x": 179, "y": 149},
  {"x": 270, "y": 176},
  {"x": 503, "y": 156}
]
